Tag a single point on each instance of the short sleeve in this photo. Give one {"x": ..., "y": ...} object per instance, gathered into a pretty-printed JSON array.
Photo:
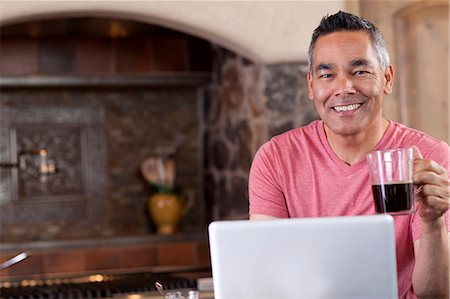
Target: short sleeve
[{"x": 266, "y": 196}]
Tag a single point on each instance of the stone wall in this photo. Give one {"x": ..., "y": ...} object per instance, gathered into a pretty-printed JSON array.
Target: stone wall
[{"x": 246, "y": 105}]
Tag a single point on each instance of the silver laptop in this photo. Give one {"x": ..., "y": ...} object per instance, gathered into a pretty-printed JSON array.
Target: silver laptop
[{"x": 330, "y": 257}]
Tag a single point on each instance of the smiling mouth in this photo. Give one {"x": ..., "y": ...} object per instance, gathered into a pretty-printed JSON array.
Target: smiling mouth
[{"x": 345, "y": 108}]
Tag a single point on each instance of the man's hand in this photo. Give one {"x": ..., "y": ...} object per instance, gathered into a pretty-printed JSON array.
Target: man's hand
[{"x": 433, "y": 193}]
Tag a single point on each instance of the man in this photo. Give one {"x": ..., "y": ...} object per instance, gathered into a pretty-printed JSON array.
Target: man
[{"x": 321, "y": 169}]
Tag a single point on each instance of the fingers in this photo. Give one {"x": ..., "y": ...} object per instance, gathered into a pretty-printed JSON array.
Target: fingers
[
  {"x": 428, "y": 171},
  {"x": 432, "y": 207},
  {"x": 433, "y": 183},
  {"x": 436, "y": 202},
  {"x": 433, "y": 194}
]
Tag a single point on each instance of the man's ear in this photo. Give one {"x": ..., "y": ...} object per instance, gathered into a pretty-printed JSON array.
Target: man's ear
[
  {"x": 310, "y": 89},
  {"x": 389, "y": 80}
]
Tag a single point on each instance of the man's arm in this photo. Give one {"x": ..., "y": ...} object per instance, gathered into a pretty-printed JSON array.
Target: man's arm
[
  {"x": 431, "y": 271},
  {"x": 261, "y": 217},
  {"x": 431, "y": 278},
  {"x": 266, "y": 195}
]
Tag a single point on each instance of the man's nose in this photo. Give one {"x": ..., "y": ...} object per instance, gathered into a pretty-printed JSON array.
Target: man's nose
[{"x": 344, "y": 86}]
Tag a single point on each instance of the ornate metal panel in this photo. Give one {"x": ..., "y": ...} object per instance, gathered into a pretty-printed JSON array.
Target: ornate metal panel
[
  {"x": 53, "y": 167},
  {"x": 63, "y": 148}
]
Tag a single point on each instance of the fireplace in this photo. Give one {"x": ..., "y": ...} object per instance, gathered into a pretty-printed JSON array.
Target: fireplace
[{"x": 90, "y": 99}]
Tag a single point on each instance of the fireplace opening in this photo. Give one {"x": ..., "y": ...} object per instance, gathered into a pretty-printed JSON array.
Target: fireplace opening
[{"x": 84, "y": 101}]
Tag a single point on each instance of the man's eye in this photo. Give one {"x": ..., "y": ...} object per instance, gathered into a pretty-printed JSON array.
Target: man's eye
[
  {"x": 361, "y": 72},
  {"x": 325, "y": 76}
]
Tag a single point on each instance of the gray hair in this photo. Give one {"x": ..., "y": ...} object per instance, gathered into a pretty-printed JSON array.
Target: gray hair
[{"x": 342, "y": 21}]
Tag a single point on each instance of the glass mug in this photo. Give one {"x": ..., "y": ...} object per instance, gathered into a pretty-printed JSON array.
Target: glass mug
[{"x": 391, "y": 176}]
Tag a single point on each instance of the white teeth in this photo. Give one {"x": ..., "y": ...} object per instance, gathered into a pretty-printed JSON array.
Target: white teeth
[{"x": 348, "y": 107}]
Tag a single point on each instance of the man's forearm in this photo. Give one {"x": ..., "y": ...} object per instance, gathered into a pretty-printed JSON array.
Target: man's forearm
[{"x": 431, "y": 270}]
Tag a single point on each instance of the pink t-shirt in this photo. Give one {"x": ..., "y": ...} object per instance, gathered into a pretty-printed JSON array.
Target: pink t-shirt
[{"x": 297, "y": 174}]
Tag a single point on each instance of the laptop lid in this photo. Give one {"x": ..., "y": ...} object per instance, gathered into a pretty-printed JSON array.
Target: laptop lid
[{"x": 328, "y": 257}]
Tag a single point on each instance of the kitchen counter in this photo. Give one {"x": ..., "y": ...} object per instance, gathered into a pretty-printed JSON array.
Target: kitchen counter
[{"x": 150, "y": 253}]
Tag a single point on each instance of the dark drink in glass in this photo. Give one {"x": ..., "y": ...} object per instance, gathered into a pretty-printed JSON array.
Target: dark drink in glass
[{"x": 393, "y": 197}]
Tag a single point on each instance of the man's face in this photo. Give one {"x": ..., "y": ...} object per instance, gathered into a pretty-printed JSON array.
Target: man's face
[{"x": 347, "y": 83}]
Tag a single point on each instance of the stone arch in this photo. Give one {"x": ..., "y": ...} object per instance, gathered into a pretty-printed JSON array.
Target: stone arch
[{"x": 160, "y": 17}]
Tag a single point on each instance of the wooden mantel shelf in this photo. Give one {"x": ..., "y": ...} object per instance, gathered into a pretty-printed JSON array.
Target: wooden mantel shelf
[
  {"x": 188, "y": 79},
  {"x": 103, "y": 242}
]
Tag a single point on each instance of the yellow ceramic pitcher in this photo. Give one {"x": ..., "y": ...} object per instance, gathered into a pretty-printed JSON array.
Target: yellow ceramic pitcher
[{"x": 168, "y": 208}]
